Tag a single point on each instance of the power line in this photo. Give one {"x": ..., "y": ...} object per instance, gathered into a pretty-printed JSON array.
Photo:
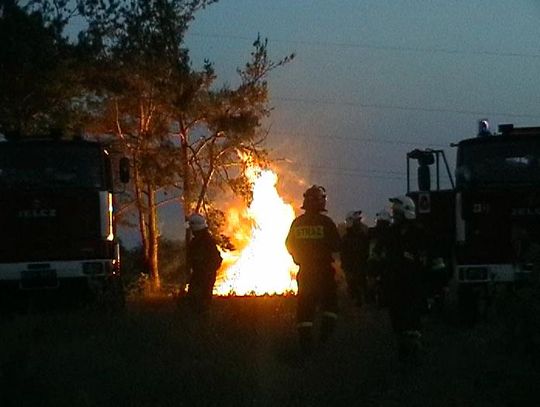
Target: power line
[
  {"x": 384, "y": 174},
  {"x": 391, "y": 48},
  {"x": 374, "y": 140},
  {"x": 477, "y": 113},
  {"x": 394, "y": 48}
]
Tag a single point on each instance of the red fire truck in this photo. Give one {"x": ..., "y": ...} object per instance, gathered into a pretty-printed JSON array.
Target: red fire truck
[
  {"x": 489, "y": 221},
  {"x": 57, "y": 223}
]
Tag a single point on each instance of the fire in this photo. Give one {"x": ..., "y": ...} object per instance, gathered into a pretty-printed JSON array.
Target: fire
[{"x": 262, "y": 265}]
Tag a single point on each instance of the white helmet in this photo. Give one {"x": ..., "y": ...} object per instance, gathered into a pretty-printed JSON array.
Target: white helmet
[
  {"x": 197, "y": 222},
  {"x": 404, "y": 205},
  {"x": 353, "y": 217},
  {"x": 383, "y": 216}
]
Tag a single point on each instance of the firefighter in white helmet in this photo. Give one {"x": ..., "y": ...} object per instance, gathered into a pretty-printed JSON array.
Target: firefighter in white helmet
[
  {"x": 436, "y": 274},
  {"x": 312, "y": 240},
  {"x": 383, "y": 218},
  {"x": 204, "y": 260},
  {"x": 354, "y": 256},
  {"x": 377, "y": 264},
  {"x": 406, "y": 248},
  {"x": 403, "y": 208}
]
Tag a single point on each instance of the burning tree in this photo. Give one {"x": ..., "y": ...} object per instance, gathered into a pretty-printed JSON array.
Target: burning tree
[
  {"x": 179, "y": 131},
  {"x": 129, "y": 78}
]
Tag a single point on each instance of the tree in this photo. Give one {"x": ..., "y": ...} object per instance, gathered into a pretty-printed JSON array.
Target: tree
[
  {"x": 134, "y": 80},
  {"x": 39, "y": 89},
  {"x": 218, "y": 128},
  {"x": 137, "y": 51},
  {"x": 179, "y": 131}
]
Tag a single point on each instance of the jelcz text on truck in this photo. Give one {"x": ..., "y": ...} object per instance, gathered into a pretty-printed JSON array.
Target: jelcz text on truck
[{"x": 57, "y": 223}]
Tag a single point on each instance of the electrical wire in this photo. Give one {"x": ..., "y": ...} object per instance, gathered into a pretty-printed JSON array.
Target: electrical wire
[{"x": 393, "y": 48}]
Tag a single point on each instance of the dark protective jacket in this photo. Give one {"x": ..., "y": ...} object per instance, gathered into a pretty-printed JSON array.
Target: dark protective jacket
[
  {"x": 378, "y": 241},
  {"x": 204, "y": 259},
  {"x": 407, "y": 250},
  {"x": 312, "y": 239},
  {"x": 355, "y": 249},
  {"x": 378, "y": 263}
]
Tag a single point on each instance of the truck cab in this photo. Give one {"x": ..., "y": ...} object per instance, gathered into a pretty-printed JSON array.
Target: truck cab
[
  {"x": 489, "y": 220},
  {"x": 58, "y": 231},
  {"x": 497, "y": 205}
]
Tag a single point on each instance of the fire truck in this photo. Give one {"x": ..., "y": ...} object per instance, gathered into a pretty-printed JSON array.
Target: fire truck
[
  {"x": 57, "y": 223},
  {"x": 487, "y": 223}
]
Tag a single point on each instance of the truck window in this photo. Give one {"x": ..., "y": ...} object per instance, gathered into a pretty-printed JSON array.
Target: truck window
[
  {"x": 51, "y": 166},
  {"x": 509, "y": 163}
]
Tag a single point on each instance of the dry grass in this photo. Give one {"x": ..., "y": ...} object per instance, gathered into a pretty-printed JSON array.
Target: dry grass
[{"x": 243, "y": 353}]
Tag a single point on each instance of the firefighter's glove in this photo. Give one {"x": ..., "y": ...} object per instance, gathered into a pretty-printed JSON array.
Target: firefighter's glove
[
  {"x": 413, "y": 334},
  {"x": 437, "y": 264},
  {"x": 409, "y": 256}
]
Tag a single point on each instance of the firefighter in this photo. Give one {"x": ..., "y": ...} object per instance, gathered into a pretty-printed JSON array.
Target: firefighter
[
  {"x": 377, "y": 264},
  {"x": 354, "y": 255},
  {"x": 312, "y": 240},
  {"x": 406, "y": 251},
  {"x": 204, "y": 260}
]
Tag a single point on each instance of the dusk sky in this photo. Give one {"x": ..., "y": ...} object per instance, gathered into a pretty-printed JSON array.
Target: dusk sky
[{"x": 373, "y": 79}]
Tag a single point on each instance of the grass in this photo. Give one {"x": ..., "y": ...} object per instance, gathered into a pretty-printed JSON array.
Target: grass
[{"x": 243, "y": 353}]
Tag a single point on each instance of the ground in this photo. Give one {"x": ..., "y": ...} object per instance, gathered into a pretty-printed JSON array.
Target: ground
[{"x": 243, "y": 353}]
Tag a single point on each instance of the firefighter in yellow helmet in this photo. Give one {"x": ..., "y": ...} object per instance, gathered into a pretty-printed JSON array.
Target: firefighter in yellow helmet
[{"x": 312, "y": 240}]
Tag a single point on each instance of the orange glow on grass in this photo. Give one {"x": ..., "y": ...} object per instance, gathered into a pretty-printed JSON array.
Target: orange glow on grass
[{"x": 262, "y": 265}]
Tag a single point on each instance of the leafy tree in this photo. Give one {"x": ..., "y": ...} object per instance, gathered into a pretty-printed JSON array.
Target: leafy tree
[
  {"x": 137, "y": 53},
  {"x": 129, "y": 77},
  {"x": 39, "y": 89},
  {"x": 178, "y": 130},
  {"x": 218, "y": 129}
]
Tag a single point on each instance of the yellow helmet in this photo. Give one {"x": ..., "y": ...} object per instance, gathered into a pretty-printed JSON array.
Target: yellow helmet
[{"x": 315, "y": 199}]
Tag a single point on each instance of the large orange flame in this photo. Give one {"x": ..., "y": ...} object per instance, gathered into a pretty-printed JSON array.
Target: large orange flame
[{"x": 262, "y": 265}]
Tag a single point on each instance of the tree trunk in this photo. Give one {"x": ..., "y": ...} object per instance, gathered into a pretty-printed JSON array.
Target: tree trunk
[
  {"x": 186, "y": 178},
  {"x": 206, "y": 178},
  {"x": 153, "y": 238},
  {"x": 142, "y": 209}
]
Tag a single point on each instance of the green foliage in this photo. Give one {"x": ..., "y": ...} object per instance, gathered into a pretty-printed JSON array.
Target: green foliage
[
  {"x": 216, "y": 222},
  {"x": 171, "y": 259},
  {"x": 129, "y": 77},
  {"x": 56, "y": 13},
  {"x": 132, "y": 263},
  {"x": 155, "y": 101},
  {"x": 39, "y": 89},
  {"x": 140, "y": 45},
  {"x": 173, "y": 270},
  {"x": 232, "y": 126}
]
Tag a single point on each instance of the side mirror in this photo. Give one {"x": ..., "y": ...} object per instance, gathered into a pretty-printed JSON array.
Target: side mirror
[{"x": 124, "y": 170}]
